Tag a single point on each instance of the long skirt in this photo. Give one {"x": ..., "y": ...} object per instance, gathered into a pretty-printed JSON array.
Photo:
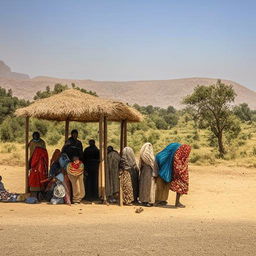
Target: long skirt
[
  {"x": 180, "y": 179},
  {"x": 135, "y": 182},
  {"x": 162, "y": 190},
  {"x": 77, "y": 187},
  {"x": 147, "y": 185},
  {"x": 127, "y": 189}
]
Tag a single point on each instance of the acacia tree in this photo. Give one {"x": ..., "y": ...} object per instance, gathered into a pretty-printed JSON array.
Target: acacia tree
[{"x": 212, "y": 103}]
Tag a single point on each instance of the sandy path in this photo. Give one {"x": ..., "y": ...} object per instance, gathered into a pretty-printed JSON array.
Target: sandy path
[{"x": 220, "y": 219}]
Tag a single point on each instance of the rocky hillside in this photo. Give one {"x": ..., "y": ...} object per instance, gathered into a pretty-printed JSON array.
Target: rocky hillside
[
  {"x": 158, "y": 93},
  {"x": 5, "y": 72}
]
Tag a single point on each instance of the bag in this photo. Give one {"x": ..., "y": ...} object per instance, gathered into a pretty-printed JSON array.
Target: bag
[{"x": 59, "y": 191}]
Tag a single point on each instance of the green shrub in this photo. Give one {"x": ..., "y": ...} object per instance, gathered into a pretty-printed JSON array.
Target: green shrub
[
  {"x": 53, "y": 138},
  {"x": 195, "y": 146},
  {"x": 194, "y": 158},
  {"x": 254, "y": 151}
]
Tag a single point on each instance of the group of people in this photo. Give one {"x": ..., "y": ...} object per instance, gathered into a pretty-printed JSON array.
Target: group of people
[
  {"x": 74, "y": 171},
  {"x": 148, "y": 182}
]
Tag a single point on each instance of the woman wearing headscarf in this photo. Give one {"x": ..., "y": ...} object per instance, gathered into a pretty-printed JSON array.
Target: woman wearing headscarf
[
  {"x": 164, "y": 160},
  {"x": 38, "y": 172},
  {"x": 179, "y": 183},
  {"x": 129, "y": 176},
  {"x": 112, "y": 175},
  {"x": 75, "y": 171},
  {"x": 36, "y": 142},
  {"x": 148, "y": 174}
]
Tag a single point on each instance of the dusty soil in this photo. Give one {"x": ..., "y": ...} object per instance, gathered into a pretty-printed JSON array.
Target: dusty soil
[{"x": 220, "y": 219}]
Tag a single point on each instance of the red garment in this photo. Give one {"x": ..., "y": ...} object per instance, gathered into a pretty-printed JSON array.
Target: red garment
[
  {"x": 180, "y": 177},
  {"x": 39, "y": 169},
  {"x": 75, "y": 168}
]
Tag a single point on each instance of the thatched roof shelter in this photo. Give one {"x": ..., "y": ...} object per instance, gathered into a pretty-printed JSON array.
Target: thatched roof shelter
[{"x": 74, "y": 105}]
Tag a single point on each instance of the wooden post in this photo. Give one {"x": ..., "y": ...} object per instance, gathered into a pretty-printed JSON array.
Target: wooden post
[
  {"x": 105, "y": 152},
  {"x": 101, "y": 156},
  {"x": 125, "y": 133},
  {"x": 26, "y": 154},
  {"x": 121, "y": 151},
  {"x": 121, "y": 136},
  {"x": 66, "y": 130}
]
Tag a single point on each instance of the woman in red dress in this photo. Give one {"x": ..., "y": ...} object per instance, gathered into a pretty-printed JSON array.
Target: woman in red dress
[{"x": 180, "y": 179}]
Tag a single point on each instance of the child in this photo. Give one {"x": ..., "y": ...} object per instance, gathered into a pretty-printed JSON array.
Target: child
[{"x": 75, "y": 170}]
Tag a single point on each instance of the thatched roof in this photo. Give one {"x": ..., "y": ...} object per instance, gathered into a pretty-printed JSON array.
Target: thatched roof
[{"x": 74, "y": 105}]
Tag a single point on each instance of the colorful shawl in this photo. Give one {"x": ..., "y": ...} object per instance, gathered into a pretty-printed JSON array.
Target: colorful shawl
[
  {"x": 75, "y": 168},
  {"x": 180, "y": 178},
  {"x": 164, "y": 161},
  {"x": 39, "y": 169}
]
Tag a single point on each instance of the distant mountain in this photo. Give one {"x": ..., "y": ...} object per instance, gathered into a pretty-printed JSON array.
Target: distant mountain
[
  {"x": 5, "y": 71},
  {"x": 160, "y": 93}
]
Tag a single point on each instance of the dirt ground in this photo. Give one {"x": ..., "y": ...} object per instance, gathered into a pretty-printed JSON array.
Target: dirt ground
[{"x": 220, "y": 219}]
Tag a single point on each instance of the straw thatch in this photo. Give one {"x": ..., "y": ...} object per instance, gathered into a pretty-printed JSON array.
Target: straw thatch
[{"x": 74, "y": 105}]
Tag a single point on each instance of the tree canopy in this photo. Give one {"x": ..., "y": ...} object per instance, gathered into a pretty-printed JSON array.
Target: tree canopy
[{"x": 212, "y": 104}]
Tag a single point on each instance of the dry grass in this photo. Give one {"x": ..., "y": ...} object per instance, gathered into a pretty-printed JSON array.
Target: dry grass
[{"x": 74, "y": 105}]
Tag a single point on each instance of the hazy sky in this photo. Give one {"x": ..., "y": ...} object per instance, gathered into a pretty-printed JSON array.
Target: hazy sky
[{"x": 130, "y": 39}]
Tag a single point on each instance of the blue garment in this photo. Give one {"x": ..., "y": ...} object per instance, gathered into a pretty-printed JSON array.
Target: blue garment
[
  {"x": 164, "y": 161},
  {"x": 64, "y": 160},
  {"x": 55, "y": 168}
]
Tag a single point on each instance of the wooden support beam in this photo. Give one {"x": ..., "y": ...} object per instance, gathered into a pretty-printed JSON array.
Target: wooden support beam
[
  {"x": 121, "y": 136},
  {"x": 125, "y": 133},
  {"x": 26, "y": 154},
  {"x": 121, "y": 151},
  {"x": 101, "y": 156},
  {"x": 105, "y": 152},
  {"x": 66, "y": 130}
]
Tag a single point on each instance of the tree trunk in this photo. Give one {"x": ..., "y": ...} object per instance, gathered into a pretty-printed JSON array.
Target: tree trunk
[{"x": 220, "y": 142}]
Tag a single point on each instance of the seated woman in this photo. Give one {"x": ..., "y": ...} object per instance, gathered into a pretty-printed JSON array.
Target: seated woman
[
  {"x": 6, "y": 196},
  {"x": 129, "y": 172},
  {"x": 57, "y": 181},
  {"x": 75, "y": 171},
  {"x": 148, "y": 174}
]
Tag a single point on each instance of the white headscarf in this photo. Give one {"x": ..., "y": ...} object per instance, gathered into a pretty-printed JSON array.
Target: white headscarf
[
  {"x": 147, "y": 155},
  {"x": 129, "y": 157}
]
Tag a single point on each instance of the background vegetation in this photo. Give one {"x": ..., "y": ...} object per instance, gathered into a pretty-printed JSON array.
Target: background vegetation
[{"x": 160, "y": 127}]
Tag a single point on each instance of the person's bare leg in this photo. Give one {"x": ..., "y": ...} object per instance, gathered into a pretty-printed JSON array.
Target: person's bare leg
[{"x": 177, "y": 203}]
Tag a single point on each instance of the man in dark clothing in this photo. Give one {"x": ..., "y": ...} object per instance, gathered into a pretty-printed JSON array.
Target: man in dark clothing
[
  {"x": 91, "y": 163},
  {"x": 73, "y": 145}
]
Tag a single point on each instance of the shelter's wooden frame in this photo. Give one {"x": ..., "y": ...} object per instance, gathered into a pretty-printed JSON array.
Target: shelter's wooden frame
[
  {"x": 85, "y": 108},
  {"x": 103, "y": 142}
]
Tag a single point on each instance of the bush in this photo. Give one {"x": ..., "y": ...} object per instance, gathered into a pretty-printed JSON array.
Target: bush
[
  {"x": 12, "y": 129},
  {"x": 40, "y": 126},
  {"x": 195, "y": 146},
  {"x": 194, "y": 158},
  {"x": 153, "y": 137},
  {"x": 53, "y": 138}
]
